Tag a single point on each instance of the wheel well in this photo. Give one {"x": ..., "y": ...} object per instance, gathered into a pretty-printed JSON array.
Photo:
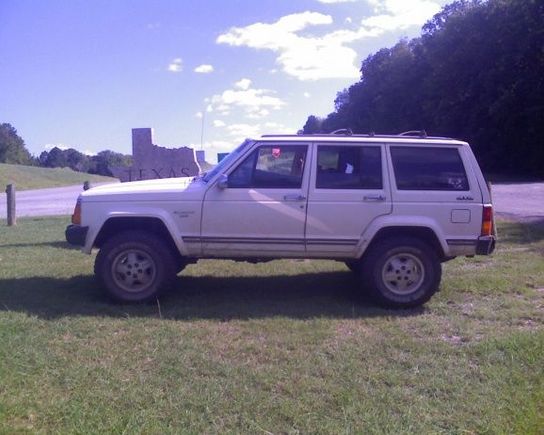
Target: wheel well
[
  {"x": 424, "y": 234},
  {"x": 151, "y": 225}
]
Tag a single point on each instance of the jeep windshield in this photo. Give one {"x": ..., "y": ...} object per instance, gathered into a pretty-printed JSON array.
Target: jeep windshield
[{"x": 226, "y": 161}]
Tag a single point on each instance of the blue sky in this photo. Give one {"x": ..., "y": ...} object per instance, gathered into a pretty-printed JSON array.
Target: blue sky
[{"x": 81, "y": 74}]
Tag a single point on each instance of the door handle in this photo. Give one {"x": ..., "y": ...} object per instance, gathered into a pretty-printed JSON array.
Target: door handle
[
  {"x": 374, "y": 198},
  {"x": 294, "y": 198}
]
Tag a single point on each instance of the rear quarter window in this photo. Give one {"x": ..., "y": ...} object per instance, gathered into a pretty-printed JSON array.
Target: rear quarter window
[{"x": 428, "y": 168}]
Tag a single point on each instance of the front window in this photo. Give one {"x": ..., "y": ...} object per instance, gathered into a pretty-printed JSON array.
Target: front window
[
  {"x": 226, "y": 161},
  {"x": 271, "y": 166}
]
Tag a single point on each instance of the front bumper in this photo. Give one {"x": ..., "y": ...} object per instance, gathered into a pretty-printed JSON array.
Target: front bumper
[
  {"x": 76, "y": 234},
  {"x": 485, "y": 245}
]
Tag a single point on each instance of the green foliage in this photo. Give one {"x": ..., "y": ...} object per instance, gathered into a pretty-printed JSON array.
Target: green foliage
[
  {"x": 71, "y": 158},
  {"x": 476, "y": 73},
  {"x": 12, "y": 146},
  {"x": 108, "y": 159}
]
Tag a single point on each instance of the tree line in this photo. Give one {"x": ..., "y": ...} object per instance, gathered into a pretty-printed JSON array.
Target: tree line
[
  {"x": 475, "y": 73},
  {"x": 13, "y": 150}
]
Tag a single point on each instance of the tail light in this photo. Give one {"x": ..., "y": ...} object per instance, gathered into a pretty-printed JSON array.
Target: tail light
[
  {"x": 76, "y": 216},
  {"x": 487, "y": 220}
]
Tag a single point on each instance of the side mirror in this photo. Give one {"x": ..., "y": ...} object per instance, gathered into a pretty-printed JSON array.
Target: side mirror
[{"x": 223, "y": 181}]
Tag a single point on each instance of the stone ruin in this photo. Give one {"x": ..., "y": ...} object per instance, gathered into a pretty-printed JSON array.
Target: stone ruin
[{"x": 151, "y": 161}]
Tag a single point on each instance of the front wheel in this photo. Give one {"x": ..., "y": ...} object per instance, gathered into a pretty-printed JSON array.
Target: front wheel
[
  {"x": 401, "y": 273},
  {"x": 134, "y": 266}
]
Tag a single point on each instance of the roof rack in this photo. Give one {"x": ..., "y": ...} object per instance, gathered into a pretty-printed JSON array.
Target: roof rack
[
  {"x": 420, "y": 133},
  {"x": 414, "y": 134},
  {"x": 344, "y": 131}
]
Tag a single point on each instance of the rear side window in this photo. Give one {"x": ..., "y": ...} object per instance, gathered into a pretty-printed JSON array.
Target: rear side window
[
  {"x": 428, "y": 168},
  {"x": 349, "y": 167}
]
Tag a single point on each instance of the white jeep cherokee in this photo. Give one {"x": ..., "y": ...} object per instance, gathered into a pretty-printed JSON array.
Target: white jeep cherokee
[{"x": 391, "y": 207}]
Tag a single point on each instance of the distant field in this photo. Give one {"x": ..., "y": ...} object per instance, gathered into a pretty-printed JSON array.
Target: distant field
[
  {"x": 280, "y": 347},
  {"x": 32, "y": 177}
]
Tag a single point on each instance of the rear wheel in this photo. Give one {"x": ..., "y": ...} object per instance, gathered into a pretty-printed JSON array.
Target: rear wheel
[
  {"x": 134, "y": 266},
  {"x": 401, "y": 273}
]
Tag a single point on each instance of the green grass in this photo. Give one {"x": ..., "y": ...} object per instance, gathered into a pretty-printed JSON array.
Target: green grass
[
  {"x": 33, "y": 177},
  {"x": 280, "y": 347}
]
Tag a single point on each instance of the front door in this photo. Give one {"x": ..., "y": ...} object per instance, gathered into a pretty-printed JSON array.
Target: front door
[
  {"x": 348, "y": 190},
  {"x": 262, "y": 211}
]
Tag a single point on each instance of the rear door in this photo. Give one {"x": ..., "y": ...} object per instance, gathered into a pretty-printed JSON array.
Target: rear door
[{"x": 349, "y": 188}]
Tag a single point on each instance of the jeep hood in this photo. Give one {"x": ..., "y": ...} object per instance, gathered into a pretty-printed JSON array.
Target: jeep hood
[{"x": 156, "y": 190}]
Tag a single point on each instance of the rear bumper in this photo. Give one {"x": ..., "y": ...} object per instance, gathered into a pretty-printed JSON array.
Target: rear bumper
[
  {"x": 76, "y": 234},
  {"x": 485, "y": 245}
]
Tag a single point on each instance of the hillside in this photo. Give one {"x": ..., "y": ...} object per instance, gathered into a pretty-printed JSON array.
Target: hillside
[{"x": 32, "y": 177}]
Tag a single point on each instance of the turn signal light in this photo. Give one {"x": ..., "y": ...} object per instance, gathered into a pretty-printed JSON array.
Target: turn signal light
[
  {"x": 487, "y": 220},
  {"x": 76, "y": 216}
]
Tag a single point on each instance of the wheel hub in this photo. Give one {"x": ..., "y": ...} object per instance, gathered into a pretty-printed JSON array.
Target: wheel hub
[
  {"x": 403, "y": 273},
  {"x": 133, "y": 270}
]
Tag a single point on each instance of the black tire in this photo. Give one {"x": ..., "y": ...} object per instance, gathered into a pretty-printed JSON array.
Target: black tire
[
  {"x": 135, "y": 266},
  {"x": 401, "y": 273}
]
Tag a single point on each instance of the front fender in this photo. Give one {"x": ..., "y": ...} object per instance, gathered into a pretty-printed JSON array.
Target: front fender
[{"x": 99, "y": 219}]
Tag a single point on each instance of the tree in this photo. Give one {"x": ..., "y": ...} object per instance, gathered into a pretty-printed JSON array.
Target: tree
[
  {"x": 104, "y": 160},
  {"x": 313, "y": 125},
  {"x": 12, "y": 147},
  {"x": 476, "y": 73}
]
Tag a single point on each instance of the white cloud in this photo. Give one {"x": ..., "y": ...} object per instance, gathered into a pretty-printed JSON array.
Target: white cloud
[
  {"x": 199, "y": 115},
  {"x": 312, "y": 57},
  {"x": 243, "y": 84},
  {"x": 307, "y": 95},
  {"x": 307, "y": 58},
  {"x": 255, "y": 103},
  {"x": 176, "y": 65},
  {"x": 335, "y": 1},
  {"x": 277, "y": 128},
  {"x": 204, "y": 69},
  {"x": 259, "y": 114},
  {"x": 242, "y": 131},
  {"x": 218, "y": 123},
  {"x": 399, "y": 14}
]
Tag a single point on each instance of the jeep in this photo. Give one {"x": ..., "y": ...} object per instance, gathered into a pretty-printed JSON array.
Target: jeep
[{"x": 393, "y": 208}]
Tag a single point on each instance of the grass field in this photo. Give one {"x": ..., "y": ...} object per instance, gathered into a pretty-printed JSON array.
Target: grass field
[
  {"x": 281, "y": 347},
  {"x": 33, "y": 177}
]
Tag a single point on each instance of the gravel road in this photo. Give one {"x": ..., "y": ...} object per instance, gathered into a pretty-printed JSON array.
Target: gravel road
[
  {"x": 518, "y": 201},
  {"x": 44, "y": 202}
]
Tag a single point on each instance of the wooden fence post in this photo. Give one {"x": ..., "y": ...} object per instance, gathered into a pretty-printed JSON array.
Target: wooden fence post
[{"x": 10, "y": 196}]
